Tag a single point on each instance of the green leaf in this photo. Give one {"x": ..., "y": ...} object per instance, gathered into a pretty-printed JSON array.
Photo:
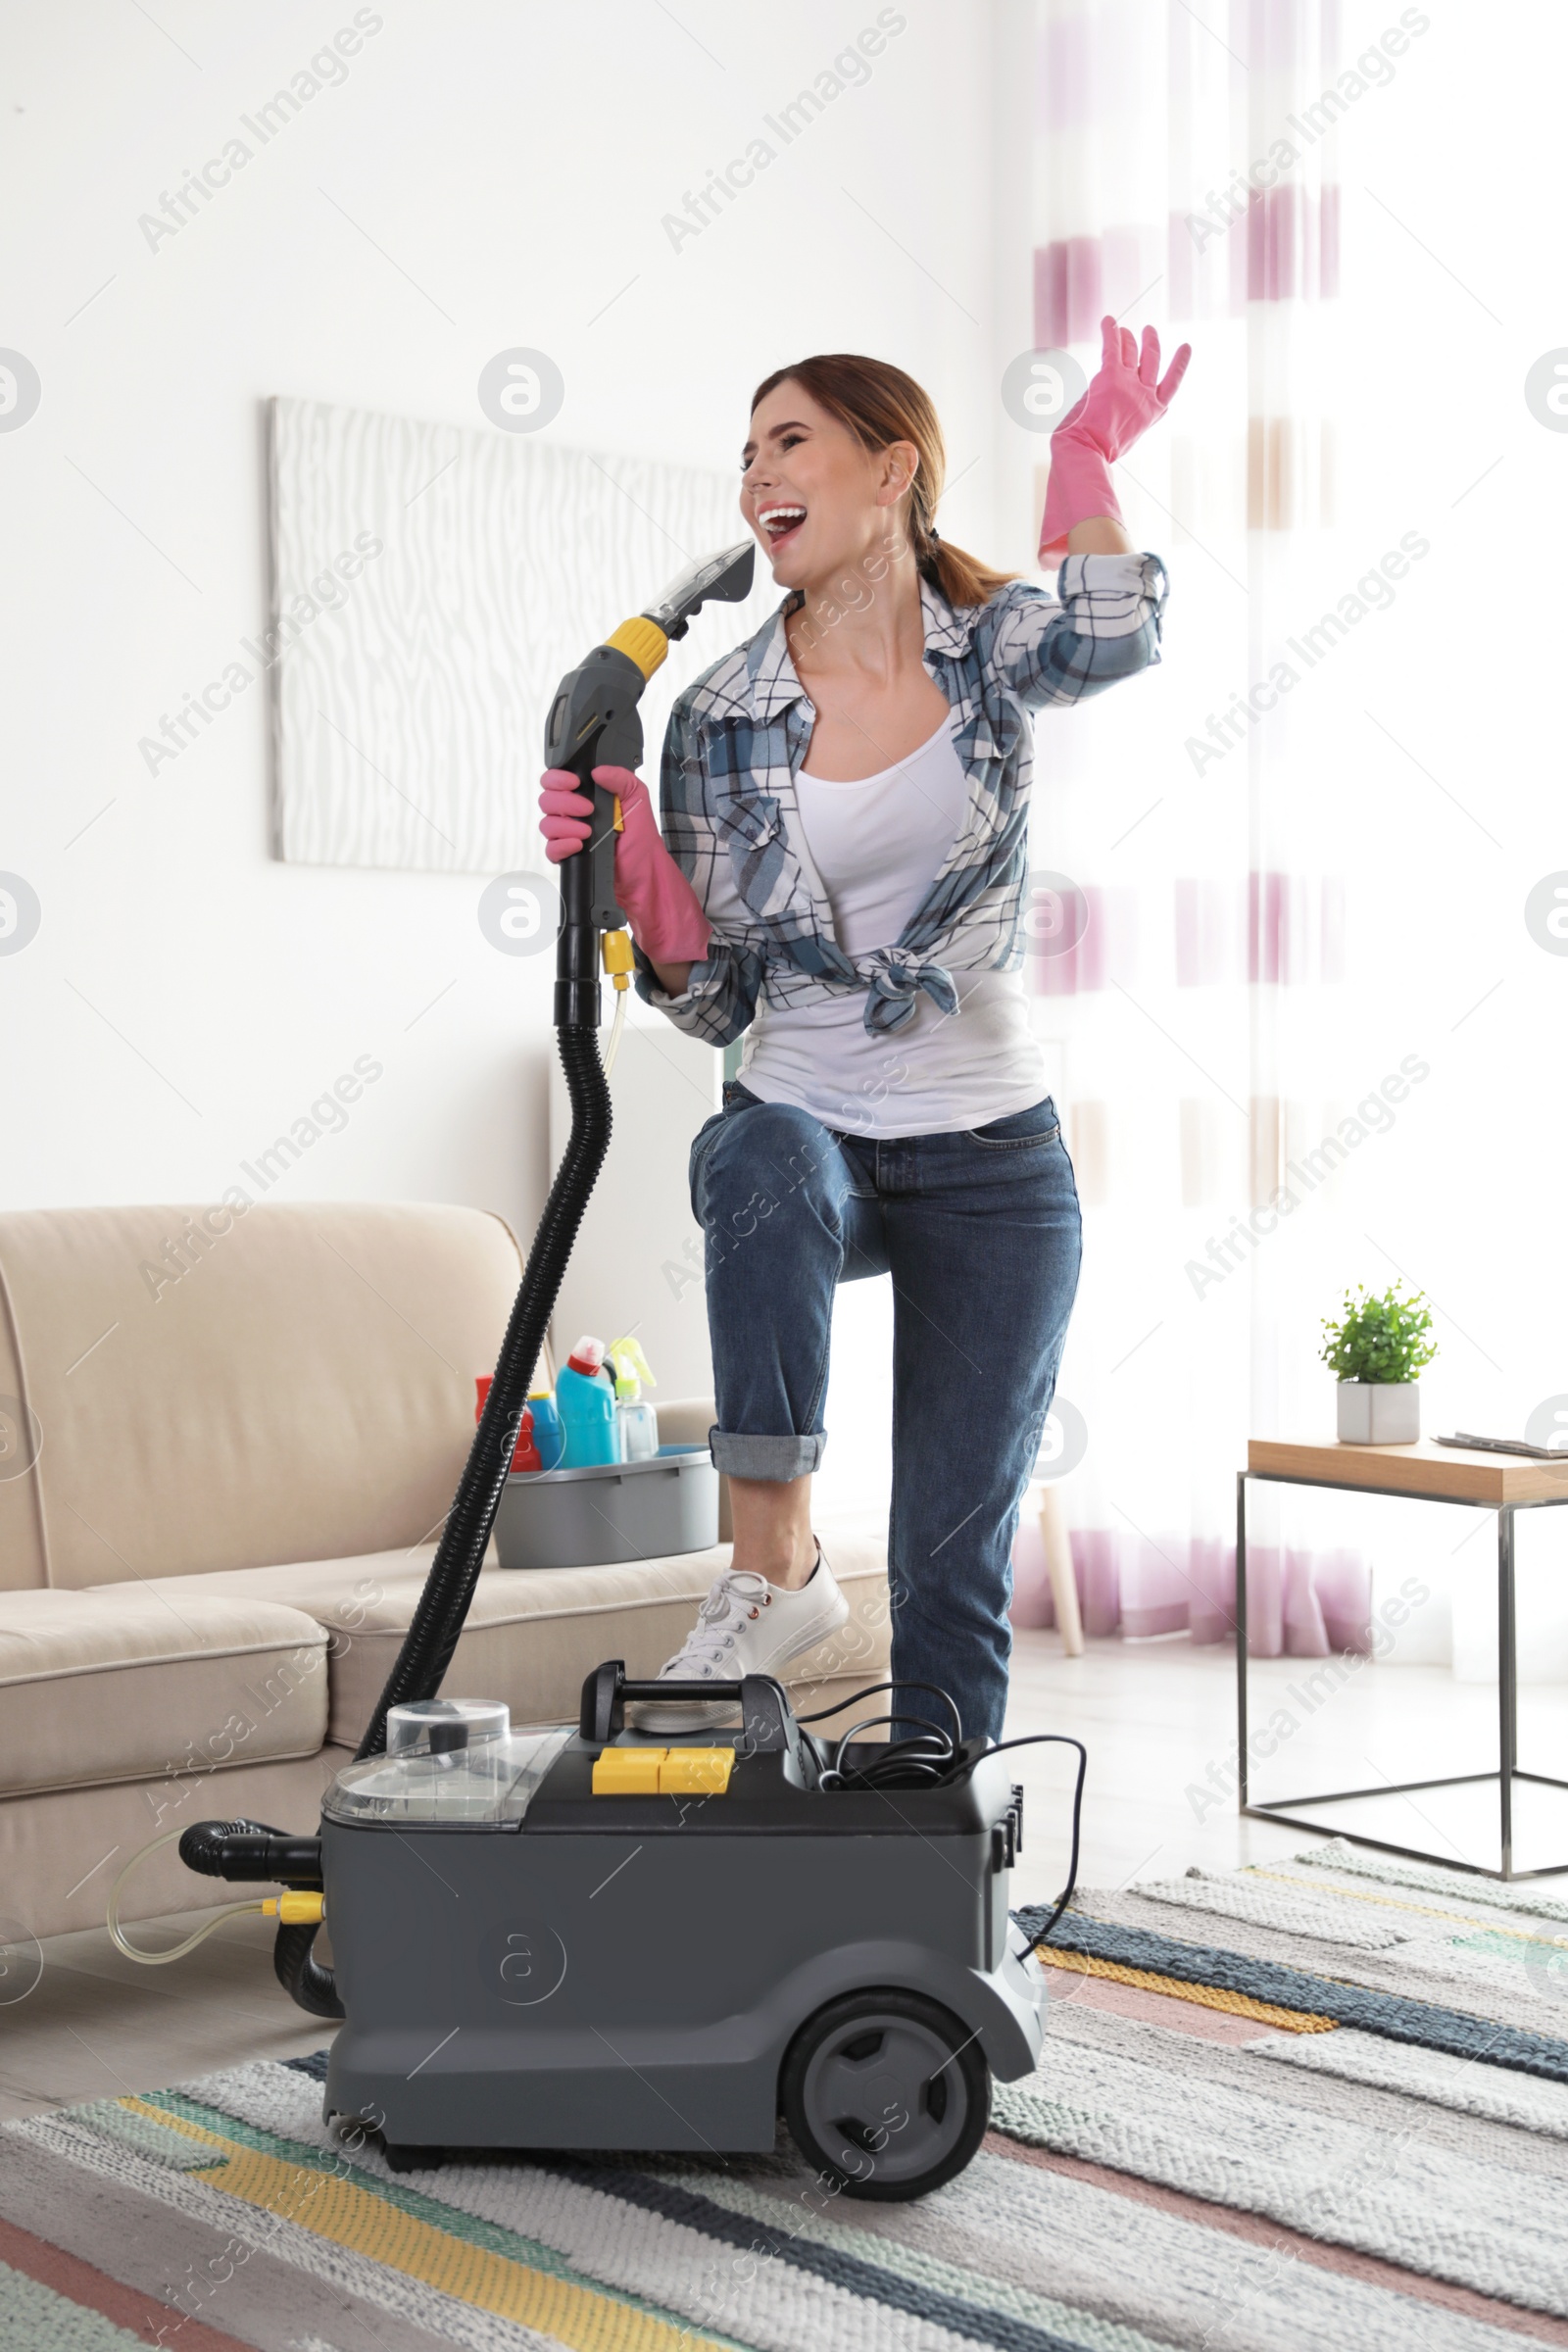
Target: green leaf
[{"x": 1380, "y": 1337}]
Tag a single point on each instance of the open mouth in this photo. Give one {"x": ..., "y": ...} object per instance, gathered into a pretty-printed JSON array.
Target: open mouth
[{"x": 779, "y": 523}]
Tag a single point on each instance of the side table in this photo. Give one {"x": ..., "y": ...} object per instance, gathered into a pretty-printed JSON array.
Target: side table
[{"x": 1502, "y": 1483}]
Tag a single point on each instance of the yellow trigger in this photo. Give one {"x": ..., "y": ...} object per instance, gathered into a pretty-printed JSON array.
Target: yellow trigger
[{"x": 620, "y": 823}]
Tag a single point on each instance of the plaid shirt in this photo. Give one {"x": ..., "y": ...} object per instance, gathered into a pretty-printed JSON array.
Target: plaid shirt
[{"x": 736, "y": 741}]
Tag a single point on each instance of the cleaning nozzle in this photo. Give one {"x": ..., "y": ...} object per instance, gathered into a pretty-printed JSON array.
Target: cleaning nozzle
[{"x": 724, "y": 578}]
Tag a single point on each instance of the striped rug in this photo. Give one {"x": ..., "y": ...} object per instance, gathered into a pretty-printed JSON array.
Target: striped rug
[{"x": 1289, "y": 2109}]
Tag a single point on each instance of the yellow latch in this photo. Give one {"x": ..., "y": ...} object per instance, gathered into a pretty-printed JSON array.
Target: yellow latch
[
  {"x": 662, "y": 1771},
  {"x": 696, "y": 1772},
  {"x": 628, "y": 1771},
  {"x": 297, "y": 1908}
]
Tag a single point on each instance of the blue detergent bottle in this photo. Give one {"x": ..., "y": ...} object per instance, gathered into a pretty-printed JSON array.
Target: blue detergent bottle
[
  {"x": 549, "y": 1437},
  {"x": 585, "y": 1398}
]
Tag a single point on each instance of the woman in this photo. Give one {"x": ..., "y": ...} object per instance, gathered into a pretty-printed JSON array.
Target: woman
[{"x": 846, "y": 799}]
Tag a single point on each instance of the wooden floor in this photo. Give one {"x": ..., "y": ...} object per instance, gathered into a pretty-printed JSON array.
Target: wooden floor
[{"x": 1157, "y": 1720}]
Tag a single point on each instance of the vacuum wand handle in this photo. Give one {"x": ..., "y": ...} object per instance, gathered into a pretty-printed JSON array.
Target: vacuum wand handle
[
  {"x": 673, "y": 1690},
  {"x": 578, "y": 999},
  {"x": 767, "y": 1721}
]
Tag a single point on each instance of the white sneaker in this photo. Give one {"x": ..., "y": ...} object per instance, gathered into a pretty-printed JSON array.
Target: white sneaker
[{"x": 745, "y": 1626}]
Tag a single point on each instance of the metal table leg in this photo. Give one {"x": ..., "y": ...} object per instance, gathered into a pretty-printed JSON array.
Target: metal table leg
[
  {"x": 1507, "y": 1685},
  {"x": 1287, "y": 1809},
  {"x": 1241, "y": 1640}
]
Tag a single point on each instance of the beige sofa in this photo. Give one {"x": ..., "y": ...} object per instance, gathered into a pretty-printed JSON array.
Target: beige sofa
[{"x": 227, "y": 1440}]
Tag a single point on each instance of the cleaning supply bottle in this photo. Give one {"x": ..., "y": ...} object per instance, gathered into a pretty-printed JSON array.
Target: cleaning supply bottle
[
  {"x": 524, "y": 1455},
  {"x": 585, "y": 1397},
  {"x": 548, "y": 1435},
  {"x": 639, "y": 1423}
]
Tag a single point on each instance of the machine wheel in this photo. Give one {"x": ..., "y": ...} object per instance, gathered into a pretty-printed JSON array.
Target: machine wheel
[
  {"x": 887, "y": 2092},
  {"x": 402, "y": 2158}
]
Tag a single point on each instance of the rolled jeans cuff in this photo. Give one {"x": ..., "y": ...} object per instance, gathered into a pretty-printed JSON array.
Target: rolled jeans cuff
[{"x": 739, "y": 1455}]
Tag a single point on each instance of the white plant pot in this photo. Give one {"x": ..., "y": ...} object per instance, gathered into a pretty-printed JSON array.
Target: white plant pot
[{"x": 1379, "y": 1412}]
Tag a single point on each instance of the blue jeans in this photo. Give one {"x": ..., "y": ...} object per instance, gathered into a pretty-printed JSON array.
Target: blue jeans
[{"x": 980, "y": 1232}]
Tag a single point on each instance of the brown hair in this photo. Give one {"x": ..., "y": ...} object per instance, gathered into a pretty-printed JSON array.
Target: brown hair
[{"x": 881, "y": 405}]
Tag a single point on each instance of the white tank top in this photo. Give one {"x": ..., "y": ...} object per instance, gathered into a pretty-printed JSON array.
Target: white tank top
[{"x": 877, "y": 846}]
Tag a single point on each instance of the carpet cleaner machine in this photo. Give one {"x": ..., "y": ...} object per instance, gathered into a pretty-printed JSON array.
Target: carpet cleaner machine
[{"x": 580, "y": 1937}]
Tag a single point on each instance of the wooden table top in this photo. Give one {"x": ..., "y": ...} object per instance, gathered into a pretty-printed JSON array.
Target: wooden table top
[{"x": 1459, "y": 1474}]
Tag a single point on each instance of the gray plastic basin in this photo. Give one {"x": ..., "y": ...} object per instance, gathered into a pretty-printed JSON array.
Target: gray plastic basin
[{"x": 611, "y": 1511}]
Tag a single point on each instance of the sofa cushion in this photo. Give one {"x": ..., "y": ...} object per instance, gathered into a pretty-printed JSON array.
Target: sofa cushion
[
  {"x": 532, "y": 1637},
  {"x": 117, "y": 1684},
  {"x": 61, "y": 1853},
  {"x": 227, "y": 1386}
]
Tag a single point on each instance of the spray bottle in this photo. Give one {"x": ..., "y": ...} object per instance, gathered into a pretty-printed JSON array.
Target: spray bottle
[
  {"x": 585, "y": 1397},
  {"x": 639, "y": 1423}
]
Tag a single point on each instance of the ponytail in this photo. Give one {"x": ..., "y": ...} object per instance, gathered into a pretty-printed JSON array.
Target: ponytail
[
  {"x": 881, "y": 405},
  {"x": 962, "y": 579}
]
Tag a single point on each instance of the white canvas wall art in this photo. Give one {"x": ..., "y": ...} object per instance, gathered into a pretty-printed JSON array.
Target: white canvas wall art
[{"x": 430, "y": 586}]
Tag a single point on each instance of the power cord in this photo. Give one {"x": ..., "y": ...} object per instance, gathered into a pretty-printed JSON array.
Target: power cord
[
  {"x": 924, "y": 1761},
  {"x": 921, "y": 1762},
  {"x": 931, "y": 1757},
  {"x": 1056, "y": 1739},
  {"x": 875, "y": 1690}
]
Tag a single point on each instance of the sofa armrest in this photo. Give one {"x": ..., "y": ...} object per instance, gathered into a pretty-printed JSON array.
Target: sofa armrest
[{"x": 686, "y": 1421}]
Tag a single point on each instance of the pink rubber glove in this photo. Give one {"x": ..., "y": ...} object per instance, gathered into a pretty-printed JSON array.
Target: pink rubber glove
[
  {"x": 1123, "y": 400},
  {"x": 665, "y": 913}
]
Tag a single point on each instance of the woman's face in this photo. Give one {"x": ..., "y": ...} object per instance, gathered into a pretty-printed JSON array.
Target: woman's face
[{"x": 818, "y": 501}]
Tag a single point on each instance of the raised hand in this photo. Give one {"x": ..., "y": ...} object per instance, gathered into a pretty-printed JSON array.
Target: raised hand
[{"x": 1125, "y": 396}]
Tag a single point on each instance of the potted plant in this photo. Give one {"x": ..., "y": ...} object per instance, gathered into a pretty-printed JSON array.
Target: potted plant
[{"x": 1376, "y": 1347}]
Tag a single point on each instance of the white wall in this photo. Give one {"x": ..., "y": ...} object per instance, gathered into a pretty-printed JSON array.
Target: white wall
[
  {"x": 481, "y": 179},
  {"x": 638, "y": 1264}
]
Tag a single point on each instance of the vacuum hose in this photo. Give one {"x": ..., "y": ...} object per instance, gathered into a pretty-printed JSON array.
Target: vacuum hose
[
  {"x": 443, "y": 1605},
  {"x": 308, "y": 1983}
]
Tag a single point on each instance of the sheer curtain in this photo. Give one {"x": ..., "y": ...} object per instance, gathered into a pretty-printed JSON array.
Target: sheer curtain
[
  {"x": 1296, "y": 1006},
  {"x": 1191, "y": 992}
]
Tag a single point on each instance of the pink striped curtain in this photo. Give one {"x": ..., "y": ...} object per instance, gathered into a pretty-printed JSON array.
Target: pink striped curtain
[{"x": 1185, "y": 173}]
